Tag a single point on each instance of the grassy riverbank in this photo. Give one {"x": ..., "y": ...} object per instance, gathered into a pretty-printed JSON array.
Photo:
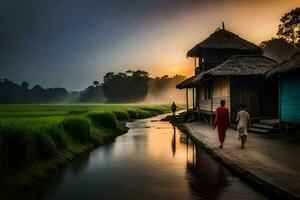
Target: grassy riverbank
[{"x": 35, "y": 140}]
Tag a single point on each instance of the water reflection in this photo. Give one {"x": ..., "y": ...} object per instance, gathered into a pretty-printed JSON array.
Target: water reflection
[
  {"x": 210, "y": 175},
  {"x": 174, "y": 141},
  {"x": 140, "y": 165}
]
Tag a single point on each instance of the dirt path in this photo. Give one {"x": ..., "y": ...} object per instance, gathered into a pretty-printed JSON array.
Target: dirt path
[{"x": 274, "y": 160}]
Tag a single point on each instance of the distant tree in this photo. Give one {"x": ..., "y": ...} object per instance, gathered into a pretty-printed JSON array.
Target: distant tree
[
  {"x": 96, "y": 83},
  {"x": 11, "y": 92},
  {"x": 37, "y": 89},
  {"x": 25, "y": 85},
  {"x": 129, "y": 72},
  {"x": 278, "y": 49},
  {"x": 140, "y": 74},
  {"x": 130, "y": 86},
  {"x": 92, "y": 93},
  {"x": 289, "y": 28},
  {"x": 108, "y": 76},
  {"x": 55, "y": 95}
]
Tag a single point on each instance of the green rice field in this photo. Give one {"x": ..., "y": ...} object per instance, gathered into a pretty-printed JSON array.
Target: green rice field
[{"x": 36, "y": 139}]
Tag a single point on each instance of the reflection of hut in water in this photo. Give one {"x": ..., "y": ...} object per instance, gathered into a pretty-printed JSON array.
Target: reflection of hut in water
[
  {"x": 231, "y": 68},
  {"x": 212, "y": 174},
  {"x": 288, "y": 73}
]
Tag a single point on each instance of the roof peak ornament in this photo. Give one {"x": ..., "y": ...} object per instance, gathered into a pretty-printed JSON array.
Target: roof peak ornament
[{"x": 223, "y": 25}]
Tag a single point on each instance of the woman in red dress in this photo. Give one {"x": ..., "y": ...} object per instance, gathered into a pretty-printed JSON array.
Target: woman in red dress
[{"x": 222, "y": 122}]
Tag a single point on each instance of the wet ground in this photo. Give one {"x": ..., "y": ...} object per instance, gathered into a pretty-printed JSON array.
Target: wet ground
[{"x": 154, "y": 160}]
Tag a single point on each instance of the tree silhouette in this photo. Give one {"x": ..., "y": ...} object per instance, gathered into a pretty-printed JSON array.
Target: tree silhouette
[
  {"x": 289, "y": 28},
  {"x": 96, "y": 83},
  {"x": 130, "y": 86},
  {"x": 25, "y": 85},
  {"x": 92, "y": 93},
  {"x": 278, "y": 49},
  {"x": 11, "y": 92}
]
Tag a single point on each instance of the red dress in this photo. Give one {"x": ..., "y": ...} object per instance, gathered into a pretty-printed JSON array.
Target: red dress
[{"x": 222, "y": 122}]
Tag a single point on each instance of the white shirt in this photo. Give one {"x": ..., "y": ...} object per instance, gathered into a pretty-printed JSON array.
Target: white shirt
[{"x": 243, "y": 120}]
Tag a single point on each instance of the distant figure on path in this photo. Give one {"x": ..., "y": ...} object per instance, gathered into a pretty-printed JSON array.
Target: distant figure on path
[
  {"x": 173, "y": 108},
  {"x": 244, "y": 122},
  {"x": 222, "y": 122}
]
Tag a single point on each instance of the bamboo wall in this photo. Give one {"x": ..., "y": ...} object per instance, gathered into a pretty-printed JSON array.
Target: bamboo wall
[
  {"x": 220, "y": 89},
  {"x": 259, "y": 94}
]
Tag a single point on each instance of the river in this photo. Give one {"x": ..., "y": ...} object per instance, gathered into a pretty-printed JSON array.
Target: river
[{"x": 154, "y": 160}]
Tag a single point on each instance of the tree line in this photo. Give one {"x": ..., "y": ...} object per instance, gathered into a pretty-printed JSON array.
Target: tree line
[
  {"x": 11, "y": 92},
  {"x": 131, "y": 86},
  {"x": 287, "y": 40}
]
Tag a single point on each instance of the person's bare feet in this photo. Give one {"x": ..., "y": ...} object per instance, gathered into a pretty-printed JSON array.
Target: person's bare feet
[{"x": 221, "y": 146}]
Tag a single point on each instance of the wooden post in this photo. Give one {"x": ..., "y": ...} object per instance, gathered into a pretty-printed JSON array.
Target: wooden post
[
  {"x": 198, "y": 102},
  {"x": 193, "y": 90},
  {"x": 193, "y": 155},
  {"x": 195, "y": 64},
  {"x": 187, "y": 148},
  {"x": 211, "y": 104},
  {"x": 193, "y": 98},
  {"x": 187, "y": 99}
]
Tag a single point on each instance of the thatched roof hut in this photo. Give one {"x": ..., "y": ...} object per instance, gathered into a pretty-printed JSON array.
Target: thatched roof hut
[
  {"x": 188, "y": 83},
  {"x": 222, "y": 39},
  {"x": 286, "y": 66},
  {"x": 240, "y": 65}
]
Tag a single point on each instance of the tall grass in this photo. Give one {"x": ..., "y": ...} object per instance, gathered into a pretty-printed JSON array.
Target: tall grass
[
  {"x": 78, "y": 128},
  {"x": 44, "y": 145},
  {"x": 133, "y": 113},
  {"x": 121, "y": 114},
  {"x": 15, "y": 148},
  {"x": 154, "y": 110},
  {"x": 104, "y": 119},
  {"x": 77, "y": 112},
  {"x": 144, "y": 114},
  {"x": 58, "y": 136}
]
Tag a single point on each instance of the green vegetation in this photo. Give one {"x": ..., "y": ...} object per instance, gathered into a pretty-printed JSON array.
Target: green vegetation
[
  {"x": 133, "y": 113},
  {"x": 15, "y": 148},
  {"x": 78, "y": 128},
  {"x": 144, "y": 114},
  {"x": 44, "y": 145},
  {"x": 36, "y": 139},
  {"x": 104, "y": 119},
  {"x": 121, "y": 114}
]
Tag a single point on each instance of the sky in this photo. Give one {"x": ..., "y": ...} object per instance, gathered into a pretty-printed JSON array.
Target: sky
[{"x": 71, "y": 43}]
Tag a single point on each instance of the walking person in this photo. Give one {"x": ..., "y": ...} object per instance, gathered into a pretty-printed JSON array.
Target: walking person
[
  {"x": 244, "y": 122},
  {"x": 173, "y": 108},
  {"x": 222, "y": 122}
]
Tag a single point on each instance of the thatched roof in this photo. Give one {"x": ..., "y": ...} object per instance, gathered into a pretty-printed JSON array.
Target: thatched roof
[
  {"x": 286, "y": 66},
  {"x": 188, "y": 83},
  {"x": 222, "y": 39},
  {"x": 240, "y": 65}
]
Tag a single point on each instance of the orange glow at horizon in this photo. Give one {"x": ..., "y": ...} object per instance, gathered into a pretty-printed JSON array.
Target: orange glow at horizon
[
  {"x": 239, "y": 19},
  {"x": 160, "y": 49},
  {"x": 185, "y": 69}
]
